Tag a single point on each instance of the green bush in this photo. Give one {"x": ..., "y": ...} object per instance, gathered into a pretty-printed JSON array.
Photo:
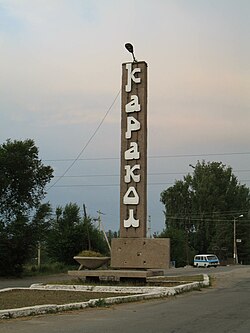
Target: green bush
[{"x": 87, "y": 253}]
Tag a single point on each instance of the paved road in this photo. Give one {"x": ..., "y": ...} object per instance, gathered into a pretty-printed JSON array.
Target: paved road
[
  {"x": 27, "y": 281},
  {"x": 223, "y": 308}
]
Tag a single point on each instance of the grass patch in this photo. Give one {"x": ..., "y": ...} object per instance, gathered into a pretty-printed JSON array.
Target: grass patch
[
  {"x": 24, "y": 297},
  {"x": 45, "y": 269},
  {"x": 18, "y": 298},
  {"x": 99, "y": 303},
  {"x": 187, "y": 278},
  {"x": 88, "y": 253},
  {"x": 171, "y": 281},
  {"x": 97, "y": 282},
  {"x": 212, "y": 281}
]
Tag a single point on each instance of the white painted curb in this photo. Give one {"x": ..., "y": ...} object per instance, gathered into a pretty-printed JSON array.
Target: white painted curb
[{"x": 137, "y": 293}]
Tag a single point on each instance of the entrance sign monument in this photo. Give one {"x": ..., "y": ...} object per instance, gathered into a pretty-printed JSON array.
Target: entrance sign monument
[
  {"x": 133, "y": 255},
  {"x": 133, "y": 249},
  {"x": 133, "y": 173}
]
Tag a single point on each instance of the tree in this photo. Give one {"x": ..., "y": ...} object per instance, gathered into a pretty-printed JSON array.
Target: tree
[
  {"x": 63, "y": 240},
  {"x": 41, "y": 222},
  {"x": 180, "y": 251},
  {"x": 204, "y": 205},
  {"x": 71, "y": 234},
  {"x": 23, "y": 178}
]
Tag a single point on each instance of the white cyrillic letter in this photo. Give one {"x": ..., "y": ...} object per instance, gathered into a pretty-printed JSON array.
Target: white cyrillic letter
[
  {"x": 131, "y": 200},
  {"x": 132, "y": 153},
  {"x": 131, "y": 76},
  {"x": 134, "y": 105},
  {"x": 130, "y": 173},
  {"x": 132, "y": 125},
  {"x": 131, "y": 221}
]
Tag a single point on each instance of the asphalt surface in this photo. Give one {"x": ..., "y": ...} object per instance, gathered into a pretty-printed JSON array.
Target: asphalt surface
[
  {"x": 222, "y": 308},
  {"x": 27, "y": 281}
]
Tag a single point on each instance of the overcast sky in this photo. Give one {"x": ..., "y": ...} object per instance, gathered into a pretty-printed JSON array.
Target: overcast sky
[{"x": 60, "y": 71}]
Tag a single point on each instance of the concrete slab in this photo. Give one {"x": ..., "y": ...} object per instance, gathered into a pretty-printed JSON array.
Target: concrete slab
[{"x": 115, "y": 275}]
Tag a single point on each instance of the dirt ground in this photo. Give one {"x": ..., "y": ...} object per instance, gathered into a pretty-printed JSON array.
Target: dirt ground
[
  {"x": 22, "y": 298},
  {"x": 18, "y": 298},
  {"x": 227, "y": 279}
]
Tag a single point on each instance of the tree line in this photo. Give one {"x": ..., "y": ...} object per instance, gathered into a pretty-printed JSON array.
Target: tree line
[
  {"x": 26, "y": 222},
  {"x": 200, "y": 212}
]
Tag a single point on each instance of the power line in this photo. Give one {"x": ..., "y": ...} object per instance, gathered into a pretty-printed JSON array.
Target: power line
[
  {"x": 115, "y": 185},
  {"x": 150, "y": 157},
  {"x": 206, "y": 219},
  {"x": 117, "y": 175},
  {"x": 81, "y": 159},
  {"x": 106, "y": 185},
  {"x": 87, "y": 143},
  {"x": 222, "y": 213},
  {"x": 149, "y": 174},
  {"x": 206, "y": 154}
]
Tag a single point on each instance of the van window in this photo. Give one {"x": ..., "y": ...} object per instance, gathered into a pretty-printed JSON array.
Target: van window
[{"x": 212, "y": 258}]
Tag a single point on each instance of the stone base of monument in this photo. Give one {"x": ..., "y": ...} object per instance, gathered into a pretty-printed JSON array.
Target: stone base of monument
[
  {"x": 115, "y": 275},
  {"x": 132, "y": 258},
  {"x": 140, "y": 253}
]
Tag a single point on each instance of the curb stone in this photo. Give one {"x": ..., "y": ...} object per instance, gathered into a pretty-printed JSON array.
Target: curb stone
[{"x": 137, "y": 294}]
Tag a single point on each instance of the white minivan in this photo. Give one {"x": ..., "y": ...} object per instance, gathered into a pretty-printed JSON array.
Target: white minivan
[{"x": 206, "y": 260}]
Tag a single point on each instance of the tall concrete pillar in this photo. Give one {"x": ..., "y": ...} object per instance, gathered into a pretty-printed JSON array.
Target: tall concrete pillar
[
  {"x": 133, "y": 250},
  {"x": 133, "y": 181}
]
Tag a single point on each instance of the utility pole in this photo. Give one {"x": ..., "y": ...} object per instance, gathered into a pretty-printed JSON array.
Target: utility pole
[
  {"x": 99, "y": 219},
  {"x": 39, "y": 255},
  {"x": 236, "y": 261},
  {"x": 85, "y": 220},
  {"x": 149, "y": 226},
  {"x": 100, "y": 226}
]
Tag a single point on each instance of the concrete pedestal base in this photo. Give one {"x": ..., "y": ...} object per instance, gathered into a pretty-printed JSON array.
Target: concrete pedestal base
[
  {"x": 115, "y": 275},
  {"x": 140, "y": 253}
]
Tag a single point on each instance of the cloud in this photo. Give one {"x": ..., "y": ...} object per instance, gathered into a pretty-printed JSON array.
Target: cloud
[{"x": 60, "y": 65}]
